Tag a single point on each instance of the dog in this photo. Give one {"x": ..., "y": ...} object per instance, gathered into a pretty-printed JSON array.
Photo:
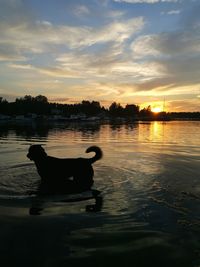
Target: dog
[{"x": 64, "y": 175}]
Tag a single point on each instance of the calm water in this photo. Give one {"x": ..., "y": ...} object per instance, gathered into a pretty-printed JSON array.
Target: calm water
[{"x": 150, "y": 183}]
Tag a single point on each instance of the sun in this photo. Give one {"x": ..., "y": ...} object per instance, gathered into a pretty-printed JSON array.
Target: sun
[{"x": 156, "y": 109}]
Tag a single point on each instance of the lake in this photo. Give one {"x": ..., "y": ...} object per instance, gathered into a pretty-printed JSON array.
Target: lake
[{"x": 149, "y": 180}]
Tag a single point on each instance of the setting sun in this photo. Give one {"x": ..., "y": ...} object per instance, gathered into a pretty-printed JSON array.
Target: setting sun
[{"x": 156, "y": 109}]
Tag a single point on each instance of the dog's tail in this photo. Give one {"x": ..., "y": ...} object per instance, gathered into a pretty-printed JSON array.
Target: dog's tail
[{"x": 98, "y": 153}]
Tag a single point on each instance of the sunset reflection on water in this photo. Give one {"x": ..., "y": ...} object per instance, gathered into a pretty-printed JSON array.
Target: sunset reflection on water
[{"x": 149, "y": 180}]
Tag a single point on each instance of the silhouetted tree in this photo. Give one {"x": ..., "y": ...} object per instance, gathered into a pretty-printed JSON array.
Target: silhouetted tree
[
  {"x": 90, "y": 108},
  {"x": 131, "y": 110},
  {"x": 3, "y": 105},
  {"x": 41, "y": 99},
  {"x": 116, "y": 109},
  {"x": 29, "y": 104},
  {"x": 146, "y": 112}
]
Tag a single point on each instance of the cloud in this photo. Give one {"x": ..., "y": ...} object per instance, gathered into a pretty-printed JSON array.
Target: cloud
[
  {"x": 174, "y": 12},
  {"x": 81, "y": 10},
  {"x": 115, "y": 14},
  {"x": 14, "y": 12},
  {"x": 60, "y": 99},
  {"x": 24, "y": 37},
  {"x": 112, "y": 63},
  {"x": 21, "y": 66},
  {"x": 59, "y": 72},
  {"x": 117, "y": 32},
  {"x": 177, "y": 52},
  {"x": 50, "y": 71},
  {"x": 10, "y": 53},
  {"x": 42, "y": 36},
  {"x": 171, "y": 12},
  {"x": 182, "y": 42},
  {"x": 145, "y": 1},
  {"x": 183, "y": 105},
  {"x": 80, "y": 64}
]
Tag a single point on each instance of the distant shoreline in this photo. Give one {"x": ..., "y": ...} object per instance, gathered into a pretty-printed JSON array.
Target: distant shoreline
[
  {"x": 37, "y": 108},
  {"x": 21, "y": 119}
]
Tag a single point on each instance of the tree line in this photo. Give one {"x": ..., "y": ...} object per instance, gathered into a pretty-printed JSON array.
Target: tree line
[{"x": 40, "y": 105}]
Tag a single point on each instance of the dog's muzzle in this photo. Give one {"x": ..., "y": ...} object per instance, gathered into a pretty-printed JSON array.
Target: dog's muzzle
[{"x": 28, "y": 156}]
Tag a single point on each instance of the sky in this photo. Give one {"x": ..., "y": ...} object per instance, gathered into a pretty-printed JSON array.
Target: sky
[{"x": 144, "y": 52}]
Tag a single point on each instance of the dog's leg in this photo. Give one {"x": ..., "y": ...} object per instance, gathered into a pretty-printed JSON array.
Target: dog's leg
[
  {"x": 36, "y": 206},
  {"x": 98, "y": 202}
]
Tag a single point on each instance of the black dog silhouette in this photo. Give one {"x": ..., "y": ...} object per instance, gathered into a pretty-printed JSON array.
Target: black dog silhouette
[{"x": 64, "y": 175}]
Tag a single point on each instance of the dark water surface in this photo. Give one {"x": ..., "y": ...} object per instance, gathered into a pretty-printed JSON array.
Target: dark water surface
[{"x": 150, "y": 182}]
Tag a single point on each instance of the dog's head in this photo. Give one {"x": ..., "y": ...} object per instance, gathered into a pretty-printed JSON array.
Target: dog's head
[{"x": 36, "y": 152}]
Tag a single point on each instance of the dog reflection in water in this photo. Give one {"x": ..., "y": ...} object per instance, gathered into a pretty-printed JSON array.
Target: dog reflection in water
[{"x": 65, "y": 175}]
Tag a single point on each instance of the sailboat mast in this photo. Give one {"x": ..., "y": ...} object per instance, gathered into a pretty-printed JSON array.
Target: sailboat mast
[{"x": 164, "y": 105}]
